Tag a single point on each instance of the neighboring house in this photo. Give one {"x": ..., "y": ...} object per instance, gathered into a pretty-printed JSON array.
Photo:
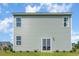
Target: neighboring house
[
  {"x": 5, "y": 44},
  {"x": 42, "y": 31}
]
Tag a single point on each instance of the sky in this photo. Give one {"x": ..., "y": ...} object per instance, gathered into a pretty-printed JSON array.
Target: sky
[{"x": 6, "y": 17}]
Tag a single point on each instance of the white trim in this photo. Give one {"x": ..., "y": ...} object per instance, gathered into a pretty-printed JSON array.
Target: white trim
[
  {"x": 51, "y": 43},
  {"x": 71, "y": 28},
  {"x": 41, "y": 44},
  {"x": 46, "y": 43}
]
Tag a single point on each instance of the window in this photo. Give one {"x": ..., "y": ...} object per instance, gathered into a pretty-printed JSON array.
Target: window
[
  {"x": 18, "y": 40},
  {"x": 65, "y": 21},
  {"x": 46, "y": 44},
  {"x": 65, "y": 24},
  {"x": 18, "y": 22}
]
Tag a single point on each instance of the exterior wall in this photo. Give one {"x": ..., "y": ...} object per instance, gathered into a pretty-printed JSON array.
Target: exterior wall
[{"x": 34, "y": 28}]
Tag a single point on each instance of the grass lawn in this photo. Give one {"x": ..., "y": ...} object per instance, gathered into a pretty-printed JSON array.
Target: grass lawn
[{"x": 8, "y": 53}]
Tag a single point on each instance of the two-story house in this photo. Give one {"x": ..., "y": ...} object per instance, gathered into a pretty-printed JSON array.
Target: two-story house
[{"x": 42, "y": 31}]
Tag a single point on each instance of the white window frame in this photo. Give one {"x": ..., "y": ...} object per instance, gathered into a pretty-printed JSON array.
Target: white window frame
[
  {"x": 16, "y": 22},
  {"x": 67, "y": 22},
  {"x": 18, "y": 40}
]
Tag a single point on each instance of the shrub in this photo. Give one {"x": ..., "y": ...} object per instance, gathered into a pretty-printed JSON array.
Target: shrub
[
  {"x": 20, "y": 51},
  {"x": 64, "y": 51},
  {"x": 27, "y": 51},
  {"x": 57, "y": 50},
  {"x": 13, "y": 51},
  {"x": 70, "y": 50},
  {"x": 35, "y": 51}
]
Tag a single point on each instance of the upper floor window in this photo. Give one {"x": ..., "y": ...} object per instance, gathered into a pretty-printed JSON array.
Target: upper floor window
[
  {"x": 65, "y": 21},
  {"x": 18, "y": 22},
  {"x": 18, "y": 40}
]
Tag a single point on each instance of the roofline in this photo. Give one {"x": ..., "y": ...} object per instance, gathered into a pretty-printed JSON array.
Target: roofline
[{"x": 43, "y": 14}]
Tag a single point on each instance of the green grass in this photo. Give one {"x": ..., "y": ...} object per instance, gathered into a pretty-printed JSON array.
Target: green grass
[{"x": 8, "y": 53}]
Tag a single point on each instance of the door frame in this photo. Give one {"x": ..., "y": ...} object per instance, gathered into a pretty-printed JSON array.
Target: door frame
[{"x": 50, "y": 43}]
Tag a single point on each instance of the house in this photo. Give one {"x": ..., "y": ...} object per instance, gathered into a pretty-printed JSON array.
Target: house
[
  {"x": 42, "y": 31},
  {"x": 5, "y": 44}
]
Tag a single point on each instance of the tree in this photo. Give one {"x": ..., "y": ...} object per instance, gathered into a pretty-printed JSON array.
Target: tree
[
  {"x": 5, "y": 48},
  {"x": 75, "y": 45},
  {"x": 10, "y": 48}
]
